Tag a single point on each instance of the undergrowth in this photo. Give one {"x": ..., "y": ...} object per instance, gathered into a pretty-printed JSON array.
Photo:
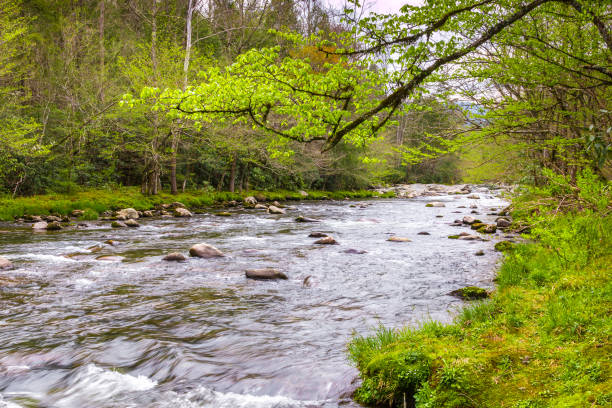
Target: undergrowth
[
  {"x": 542, "y": 340},
  {"x": 94, "y": 202}
]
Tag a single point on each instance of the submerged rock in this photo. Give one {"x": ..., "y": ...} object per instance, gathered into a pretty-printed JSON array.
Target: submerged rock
[
  {"x": 317, "y": 235},
  {"x": 399, "y": 239},
  {"x": 326, "y": 241},
  {"x": 305, "y": 219},
  {"x": 470, "y": 293},
  {"x": 175, "y": 257},
  {"x": 109, "y": 258},
  {"x": 479, "y": 253},
  {"x": 474, "y": 197},
  {"x": 223, "y": 214},
  {"x": 423, "y": 233},
  {"x": 275, "y": 210},
  {"x": 182, "y": 212},
  {"x": 435, "y": 204},
  {"x": 265, "y": 274},
  {"x": 118, "y": 224},
  {"x": 355, "y": 251},
  {"x": 205, "y": 251},
  {"x": 5, "y": 263}
]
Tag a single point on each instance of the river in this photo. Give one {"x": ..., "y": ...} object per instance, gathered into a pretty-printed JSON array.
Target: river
[{"x": 136, "y": 331}]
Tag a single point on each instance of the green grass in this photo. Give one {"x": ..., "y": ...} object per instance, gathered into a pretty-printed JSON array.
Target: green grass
[
  {"x": 97, "y": 201},
  {"x": 542, "y": 340}
]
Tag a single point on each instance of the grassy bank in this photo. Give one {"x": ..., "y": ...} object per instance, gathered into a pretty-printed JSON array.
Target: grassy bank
[
  {"x": 98, "y": 201},
  {"x": 542, "y": 340}
]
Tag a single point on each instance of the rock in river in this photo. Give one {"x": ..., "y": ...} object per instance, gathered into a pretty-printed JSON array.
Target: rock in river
[
  {"x": 275, "y": 210},
  {"x": 435, "y": 204},
  {"x": 127, "y": 213},
  {"x": 423, "y": 233},
  {"x": 317, "y": 235},
  {"x": 326, "y": 241},
  {"x": 250, "y": 200},
  {"x": 260, "y": 207},
  {"x": 398, "y": 239},
  {"x": 41, "y": 225},
  {"x": 175, "y": 256},
  {"x": 54, "y": 226},
  {"x": 355, "y": 251},
  {"x": 182, "y": 212},
  {"x": 118, "y": 224},
  {"x": 470, "y": 293},
  {"x": 5, "y": 263},
  {"x": 266, "y": 273},
  {"x": 503, "y": 222},
  {"x": 305, "y": 219},
  {"x": 205, "y": 251},
  {"x": 132, "y": 223}
]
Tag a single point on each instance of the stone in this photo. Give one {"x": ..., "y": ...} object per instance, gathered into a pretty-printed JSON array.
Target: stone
[
  {"x": 470, "y": 293},
  {"x": 5, "y": 263},
  {"x": 40, "y": 225},
  {"x": 303, "y": 193},
  {"x": 473, "y": 197},
  {"x": 469, "y": 237},
  {"x": 53, "y": 218},
  {"x": 175, "y": 257},
  {"x": 326, "y": 241},
  {"x": 176, "y": 205},
  {"x": 275, "y": 210},
  {"x": 423, "y": 233},
  {"x": 118, "y": 224},
  {"x": 250, "y": 200},
  {"x": 265, "y": 274},
  {"x": 111, "y": 242},
  {"x": 54, "y": 226},
  {"x": 232, "y": 203},
  {"x": 260, "y": 198},
  {"x": 488, "y": 229},
  {"x": 305, "y": 219},
  {"x": 473, "y": 206},
  {"x": 435, "y": 204},
  {"x": 205, "y": 251},
  {"x": 127, "y": 213},
  {"x": 147, "y": 213},
  {"x": 355, "y": 251},
  {"x": 503, "y": 222},
  {"x": 477, "y": 225},
  {"x": 479, "y": 253},
  {"x": 469, "y": 220},
  {"x": 277, "y": 204},
  {"x": 260, "y": 207},
  {"x": 398, "y": 239},
  {"x": 77, "y": 213},
  {"x": 317, "y": 235},
  {"x": 474, "y": 212},
  {"x": 182, "y": 212},
  {"x": 132, "y": 223},
  {"x": 223, "y": 214},
  {"x": 109, "y": 258}
]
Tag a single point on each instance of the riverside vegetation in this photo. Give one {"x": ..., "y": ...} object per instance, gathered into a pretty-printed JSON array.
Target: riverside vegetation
[{"x": 541, "y": 340}]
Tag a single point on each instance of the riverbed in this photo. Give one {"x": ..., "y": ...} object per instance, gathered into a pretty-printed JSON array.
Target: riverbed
[{"x": 132, "y": 330}]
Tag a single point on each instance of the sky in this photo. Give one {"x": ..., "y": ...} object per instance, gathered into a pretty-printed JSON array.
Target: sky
[{"x": 380, "y": 6}]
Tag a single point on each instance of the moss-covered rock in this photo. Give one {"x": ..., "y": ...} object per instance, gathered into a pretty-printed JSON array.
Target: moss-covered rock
[
  {"x": 470, "y": 293},
  {"x": 503, "y": 246}
]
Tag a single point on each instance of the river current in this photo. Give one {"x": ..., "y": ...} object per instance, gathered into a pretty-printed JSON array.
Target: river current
[{"x": 136, "y": 331}]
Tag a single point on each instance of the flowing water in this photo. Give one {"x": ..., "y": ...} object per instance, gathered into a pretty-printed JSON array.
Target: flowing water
[{"x": 136, "y": 331}]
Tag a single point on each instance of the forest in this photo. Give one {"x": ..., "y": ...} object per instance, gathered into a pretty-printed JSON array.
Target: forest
[{"x": 108, "y": 104}]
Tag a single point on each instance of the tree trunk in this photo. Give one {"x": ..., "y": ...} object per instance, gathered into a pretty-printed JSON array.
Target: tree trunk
[
  {"x": 173, "y": 188},
  {"x": 232, "y": 179},
  {"x": 102, "y": 56},
  {"x": 220, "y": 185}
]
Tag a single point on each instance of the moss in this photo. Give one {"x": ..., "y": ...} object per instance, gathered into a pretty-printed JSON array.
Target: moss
[
  {"x": 504, "y": 246},
  {"x": 453, "y": 237},
  {"x": 429, "y": 205},
  {"x": 471, "y": 293}
]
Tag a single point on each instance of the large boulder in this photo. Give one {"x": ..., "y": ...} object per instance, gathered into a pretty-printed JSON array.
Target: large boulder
[
  {"x": 275, "y": 210},
  {"x": 175, "y": 257},
  {"x": 127, "y": 214},
  {"x": 265, "y": 273},
  {"x": 5, "y": 263},
  {"x": 40, "y": 225},
  {"x": 205, "y": 251},
  {"x": 250, "y": 200},
  {"x": 182, "y": 212}
]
